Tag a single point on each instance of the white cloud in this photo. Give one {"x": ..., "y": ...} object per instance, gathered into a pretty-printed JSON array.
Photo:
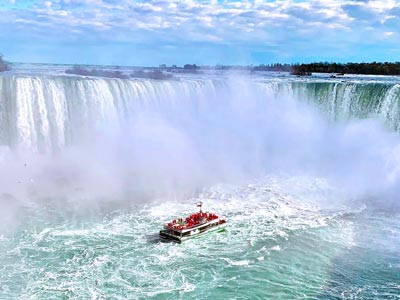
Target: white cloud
[{"x": 257, "y": 23}]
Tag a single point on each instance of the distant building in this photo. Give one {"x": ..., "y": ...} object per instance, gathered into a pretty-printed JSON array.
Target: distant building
[
  {"x": 174, "y": 66},
  {"x": 163, "y": 66},
  {"x": 190, "y": 67}
]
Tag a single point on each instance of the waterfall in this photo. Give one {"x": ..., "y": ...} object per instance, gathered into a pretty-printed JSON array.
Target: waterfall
[
  {"x": 345, "y": 100},
  {"x": 47, "y": 113},
  {"x": 44, "y": 114}
]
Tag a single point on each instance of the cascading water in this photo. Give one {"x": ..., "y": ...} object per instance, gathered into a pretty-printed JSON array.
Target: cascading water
[
  {"x": 91, "y": 168},
  {"x": 46, "y": 113},
  {"x": 346, "y": 100}
]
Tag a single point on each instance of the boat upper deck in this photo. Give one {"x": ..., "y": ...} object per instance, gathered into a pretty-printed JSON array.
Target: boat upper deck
[{"x": 194, "y": 221}]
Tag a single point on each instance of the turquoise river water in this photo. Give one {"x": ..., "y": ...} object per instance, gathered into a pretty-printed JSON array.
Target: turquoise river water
[{"x": 306, "y": 172}]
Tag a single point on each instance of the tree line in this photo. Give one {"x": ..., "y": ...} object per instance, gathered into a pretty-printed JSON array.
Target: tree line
[
  {"x": 4, "y": 65},
  {"x": 301, "y": 69},
  {"x": 374, "y": 68}
]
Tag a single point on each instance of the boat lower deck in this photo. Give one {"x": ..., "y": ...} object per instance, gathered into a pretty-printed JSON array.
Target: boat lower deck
[{"x": 179, "y": 237}]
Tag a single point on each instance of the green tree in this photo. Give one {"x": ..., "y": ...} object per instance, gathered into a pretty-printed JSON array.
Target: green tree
[{"x": 4, "y": 65}]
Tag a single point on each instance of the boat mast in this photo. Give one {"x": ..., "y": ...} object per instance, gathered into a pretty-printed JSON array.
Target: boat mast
[{"x": 200, "y": 204}]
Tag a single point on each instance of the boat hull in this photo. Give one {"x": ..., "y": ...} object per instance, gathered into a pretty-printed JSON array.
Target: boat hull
[{"x": 179, "y": 238}]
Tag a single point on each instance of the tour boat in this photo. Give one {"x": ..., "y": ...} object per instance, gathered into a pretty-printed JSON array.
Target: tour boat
[{"x": 195, "y": 225}]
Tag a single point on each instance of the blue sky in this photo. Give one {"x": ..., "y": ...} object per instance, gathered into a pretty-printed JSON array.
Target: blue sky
[{"x": 128, "y": 32}]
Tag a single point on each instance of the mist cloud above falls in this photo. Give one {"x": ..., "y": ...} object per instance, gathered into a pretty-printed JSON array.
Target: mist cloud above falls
[{"x": 180, "y": 144}]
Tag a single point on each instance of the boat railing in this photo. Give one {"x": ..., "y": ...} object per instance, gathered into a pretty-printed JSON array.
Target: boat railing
[
  {"x": 193, "y": 220},
  {"x": 180, "y": 225}
]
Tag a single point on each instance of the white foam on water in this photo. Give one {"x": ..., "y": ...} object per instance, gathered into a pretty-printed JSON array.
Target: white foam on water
[{"x": 288, "y": 181}]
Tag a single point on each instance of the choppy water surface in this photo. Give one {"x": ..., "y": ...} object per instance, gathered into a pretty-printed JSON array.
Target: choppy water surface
[
  {"x": 279, "y": 244},
  {"x": 306, "y": 171}
]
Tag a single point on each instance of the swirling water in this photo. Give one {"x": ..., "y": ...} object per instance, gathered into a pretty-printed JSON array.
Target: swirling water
[
  {"x": 291, "y": 234},
  {"x": 279, "y": 245}
]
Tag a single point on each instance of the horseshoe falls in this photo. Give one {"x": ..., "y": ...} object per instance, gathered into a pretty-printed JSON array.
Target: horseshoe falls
[
  {"x": 305, "y": 170},
  {"x": 46, "y": 113}
]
